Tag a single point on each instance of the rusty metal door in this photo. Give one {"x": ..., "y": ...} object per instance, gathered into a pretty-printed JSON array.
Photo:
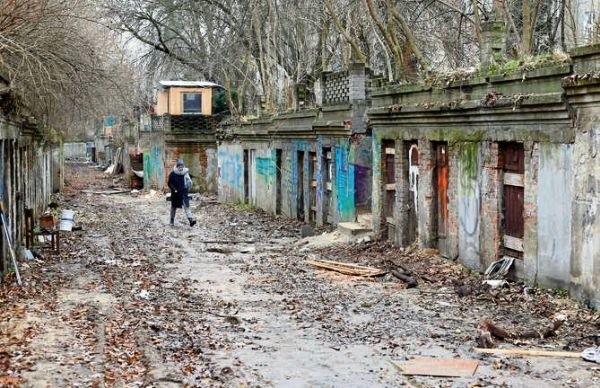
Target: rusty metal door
[
  {"x": 512, "y": 163},
  {"x": 441, "y": 190}
]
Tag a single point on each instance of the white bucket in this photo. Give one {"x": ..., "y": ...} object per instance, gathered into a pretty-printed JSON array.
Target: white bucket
[{"x": 67, "y": 220}]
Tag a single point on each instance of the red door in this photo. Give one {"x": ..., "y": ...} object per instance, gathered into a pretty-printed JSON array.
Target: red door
[
  {"x": 512, "y": 163},
  {"x": 442, "y": 190}
]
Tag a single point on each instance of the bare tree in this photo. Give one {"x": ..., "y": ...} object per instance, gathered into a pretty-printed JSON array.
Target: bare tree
[{"x": 58, "y": 62}]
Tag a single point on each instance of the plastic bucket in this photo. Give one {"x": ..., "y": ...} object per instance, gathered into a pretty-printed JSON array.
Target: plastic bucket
[{"x": 67, "y": 220}]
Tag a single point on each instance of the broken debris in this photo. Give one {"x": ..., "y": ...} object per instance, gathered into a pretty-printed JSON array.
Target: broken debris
[
  {"x": 529, "y": 352},
  {"x": 441, "y": 367},
  {"x": 347, "y": 268},
  {"x": 488, "y": 329}
]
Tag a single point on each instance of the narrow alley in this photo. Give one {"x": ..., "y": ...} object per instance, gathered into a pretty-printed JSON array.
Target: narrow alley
[{"x": 132, "y": 301}]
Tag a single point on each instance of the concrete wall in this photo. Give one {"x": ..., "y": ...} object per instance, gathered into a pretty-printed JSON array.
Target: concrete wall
[
  {"x": 583, "y": 94},
  {"x": 30, "y": 172},
  {"x": 230, "y": 173},
  {"x": 75, "y": 150},
  {"x": 585, "y": 254},
  {"x": 152, "y": 145},
  {"x": 469, "y": 181},
  {"x": 554, "y": 194},
  {"x": 199, "y": 157},
  {"x": 350, "y": 162},
  {"x": 552, "y": 112}
]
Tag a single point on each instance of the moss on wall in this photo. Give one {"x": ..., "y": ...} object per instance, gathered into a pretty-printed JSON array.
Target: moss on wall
[{"x": 468, "y": 165}]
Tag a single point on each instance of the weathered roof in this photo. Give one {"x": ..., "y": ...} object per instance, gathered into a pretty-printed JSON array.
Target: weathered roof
[{"x": 189, "y": 84}]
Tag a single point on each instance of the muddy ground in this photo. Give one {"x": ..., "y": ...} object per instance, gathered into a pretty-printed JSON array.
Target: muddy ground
[{"x": 132, "y": 301}]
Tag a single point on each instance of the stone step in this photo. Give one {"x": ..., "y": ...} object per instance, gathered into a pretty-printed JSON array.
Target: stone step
[
  {"x": 352, "y": 229},
  {"x": 365, "y": 219}
]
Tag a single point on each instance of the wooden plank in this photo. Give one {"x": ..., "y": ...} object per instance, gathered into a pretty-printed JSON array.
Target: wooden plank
[
  {"x": 351, "y": 265},
  {"x": 530, "y": 352},
  {"x": 513, "y": 179},
  {"x": 514, "y": 243},
  {"x": 346, "y": 268},
  {"x": 442, "y": 367}
]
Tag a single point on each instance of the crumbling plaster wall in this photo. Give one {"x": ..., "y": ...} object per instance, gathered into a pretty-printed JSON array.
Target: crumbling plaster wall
[
  {"x": 264, "y": 175},
  {"x": 473, "y": 118},
  {"x": 583, "y": 94},
  {"x": 152, "y": 145},
  {"x": 585, "y": 255},
  {"x": 199, "y": 157},
  {"x": 30, "y": 172},
  {"x": 230, "y": 156},
  {"x": 554, "y": 196}
]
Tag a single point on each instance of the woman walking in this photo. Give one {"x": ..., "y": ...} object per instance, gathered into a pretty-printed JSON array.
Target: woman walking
[{"x": 180, "y": 182}]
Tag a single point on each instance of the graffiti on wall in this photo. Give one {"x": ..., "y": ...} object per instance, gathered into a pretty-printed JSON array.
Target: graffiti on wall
[
  {"x": 413, "y": 174},
  {"x": 154, "y": 173},
  {"x": 469, "y": 203},
  {"x": 231, "y": 172},
  {"x": 265, "y": 168},
  {"x": 344, "y": 183}
]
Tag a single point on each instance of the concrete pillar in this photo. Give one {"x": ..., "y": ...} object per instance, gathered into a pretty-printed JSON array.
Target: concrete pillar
[
  {"x": 377, "y": 197},
  {"x": 490, "y": 204},
  {"x": 493, "y": 34},
  {"x": 453, "y": 187},
  {"x": 357, "y": 80},
  {"x": 401, "y": 207},
  {"x": 357, "y": 95},
  {"x": 528, "y": 270},
  {"x": 427, "y": 209}
]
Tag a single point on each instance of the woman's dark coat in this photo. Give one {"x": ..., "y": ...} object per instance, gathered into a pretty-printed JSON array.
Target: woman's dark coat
[{"x": 176, "y": 183}]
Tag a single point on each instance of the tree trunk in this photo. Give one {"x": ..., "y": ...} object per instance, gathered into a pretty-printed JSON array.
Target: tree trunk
[
  {"x": 388, "y": 38},
  {"x": 531, "y": 11},
  {"x": 340, "y": 28},
  {"x": 410, "y": 37}
]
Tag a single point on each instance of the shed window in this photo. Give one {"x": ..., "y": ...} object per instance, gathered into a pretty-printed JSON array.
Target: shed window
[{"x": 192, "y": 102}]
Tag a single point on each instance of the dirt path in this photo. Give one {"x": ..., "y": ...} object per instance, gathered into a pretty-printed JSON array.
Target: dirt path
[{"x": 132, "y": 301}]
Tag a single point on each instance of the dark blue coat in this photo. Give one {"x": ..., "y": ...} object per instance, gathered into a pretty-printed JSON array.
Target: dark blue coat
[{"x": 176, "y": 183}]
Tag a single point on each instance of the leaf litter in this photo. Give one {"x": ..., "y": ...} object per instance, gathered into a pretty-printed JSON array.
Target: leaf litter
[{"x": 132, "y": 301}]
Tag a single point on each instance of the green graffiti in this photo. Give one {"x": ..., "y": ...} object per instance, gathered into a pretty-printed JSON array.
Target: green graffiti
[
  {"x": 469, "y": 159},
  {"x": 265, "y": 167}
]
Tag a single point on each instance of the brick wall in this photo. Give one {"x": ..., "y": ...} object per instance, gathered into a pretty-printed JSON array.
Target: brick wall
[{"x": 490, "y": 204}]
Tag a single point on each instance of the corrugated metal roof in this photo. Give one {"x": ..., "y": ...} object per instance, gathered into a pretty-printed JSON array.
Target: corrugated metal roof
[{"x": 191, "y": 84}]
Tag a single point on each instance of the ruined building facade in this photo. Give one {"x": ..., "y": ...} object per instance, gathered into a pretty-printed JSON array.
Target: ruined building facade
[
  {"x": 483, "y": 168},
  {"x": 182, "y": 126},
  {"x": 31, "y": 170}
]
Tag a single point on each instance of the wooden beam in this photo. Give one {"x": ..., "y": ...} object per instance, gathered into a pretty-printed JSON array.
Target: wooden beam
[{"x": 530, "y": 352}]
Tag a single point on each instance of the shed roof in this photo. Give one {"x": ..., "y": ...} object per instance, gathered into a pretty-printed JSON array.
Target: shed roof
[{"x": 189, "y": 84}]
